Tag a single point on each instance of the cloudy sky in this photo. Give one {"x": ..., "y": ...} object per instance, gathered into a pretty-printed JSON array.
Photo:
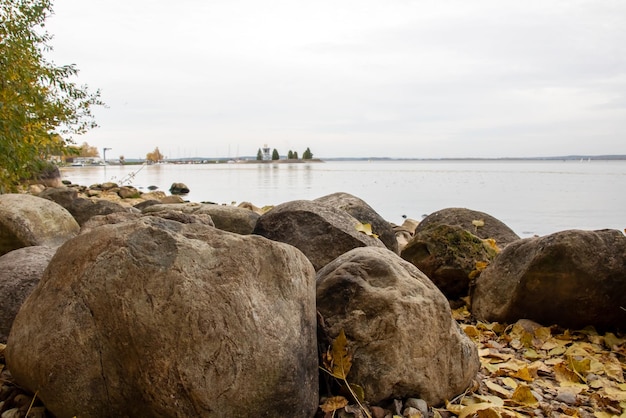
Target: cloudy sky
[{"x": 394, "y": 78}]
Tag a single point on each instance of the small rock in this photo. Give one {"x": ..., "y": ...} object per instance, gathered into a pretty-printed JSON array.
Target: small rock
[
  {"x": 418, "y": 404},
  {"x": 378, "y": 412},
  {"x": 566, "y": 396},
  {"x": 411, "y": 412},
  {"x": 179, "y": 188}
]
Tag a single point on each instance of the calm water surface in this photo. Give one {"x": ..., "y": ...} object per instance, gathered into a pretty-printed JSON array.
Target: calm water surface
[{"x": 531, "y": 197}]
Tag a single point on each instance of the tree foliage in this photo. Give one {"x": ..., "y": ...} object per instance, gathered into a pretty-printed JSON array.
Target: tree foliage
[
  {"x": 275, "y": 155},
  {"x": 155, "y": 156},
  {"x": 86, "y": 150},
  {"x": 307, "y": 154},
  {"x": 259, "y": 155},
  {"x": 290, "y": 155},
  {"x": 38, "y": 100}
]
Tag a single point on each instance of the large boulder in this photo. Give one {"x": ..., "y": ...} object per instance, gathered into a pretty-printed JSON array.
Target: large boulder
[
  {"x": 479, "y": 223},
  {"x": 64, "y": 196},
  {"x": 157, "y": 318},
  {"x": 227, "y": 218},
  {"x": 20, "y": 271},
  {"x": 119, "y": 217},
  {"x": 320, "y": 231},
  {"x": 449, "y": 255},
  {"x": 27, "y": 220},
  {"x": 399, "y": 327},
  {"x": 365, "y": 214},
  {"x": 83, "y": 209},
  {"x": 570, "y": 278}
]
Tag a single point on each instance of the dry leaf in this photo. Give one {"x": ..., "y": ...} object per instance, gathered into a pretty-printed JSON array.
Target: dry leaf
[
  {"x": 338, "y": 359},
  {"x": 496, "y": 388},
  {"x": 470, "y": 410},
  {"x": 613, "y": 368},
  {"x": 523, "y": 396},
  {"x": 490, "y": 244},
  {"x": 478, "y": 223},
  {"x": 563, "y": 374},
  {"x": 523, "y": 374},
  {"x": 510, "y": 382},
  {"x": 334, "y": 403},
  {"x": 366, "y": 229}
]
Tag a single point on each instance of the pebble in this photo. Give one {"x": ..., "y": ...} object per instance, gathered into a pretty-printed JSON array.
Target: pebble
[
  {"x": 566, "y": 396},
  {"x": 418, "y": 404}
]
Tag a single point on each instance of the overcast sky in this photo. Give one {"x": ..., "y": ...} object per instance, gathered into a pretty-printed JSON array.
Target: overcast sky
[{"x": 394, "y": 78}]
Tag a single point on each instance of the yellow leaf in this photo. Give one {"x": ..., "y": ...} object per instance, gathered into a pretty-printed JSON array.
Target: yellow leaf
[
  {"x": 366, "y": 229},
  {"x": 338, "y": 359},
  {"x": 615, "y": 394},
  {"x": 497, "y": 401},
  {"x": 563, "y": 374},
  {"x": 613, "y": 368},
  {"x": 610, "y": 340},
  {"x": 490, "y": 243},
  {"x": 471, "y": 331},
  {"x": 478, "y": 223},
  {"x": 470, "y": 410},
  {"x": 510, "y": 382},
  {"x": 580, "y": 367},
  {"x": 496, "y": 388},
  {"x": 523, "y": 396},
  {"x": 523, "y": 374},
  {"x": 334, "y": 403},
  {"x": 358, "y": 391},
  {"x": 455, "y": 409}
]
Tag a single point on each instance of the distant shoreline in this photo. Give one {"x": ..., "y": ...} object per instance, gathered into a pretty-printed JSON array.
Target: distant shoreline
[{"x": 253, "y": 160}]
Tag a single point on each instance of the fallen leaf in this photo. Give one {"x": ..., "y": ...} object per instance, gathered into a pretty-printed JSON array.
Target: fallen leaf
[
  {"x": 510, "y": 382},
  {"x": 333, "y": 404},
  {"x": 338, "y": 359},
  {"x": 613, "y": 368},
  {"x": 523, "y": 374},
  {"x": 470, "y": 410},
  {"x": 610, "y": 340},
  {"x": 523, "y": 396},
  {"x": 496, "y": 388},
  {"x": 490, "y": 244},
  {"x": 563, "y": 374},
  {"x": 478, "y": 223},
  {"x": 366, "y": 229},
  {"x": 471, "y": 331}
]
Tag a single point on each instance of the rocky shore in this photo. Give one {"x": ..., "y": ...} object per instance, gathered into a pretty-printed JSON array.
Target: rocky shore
[{"x": 123, "y": 303}]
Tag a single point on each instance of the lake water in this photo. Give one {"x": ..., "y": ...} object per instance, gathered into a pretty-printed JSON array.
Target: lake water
[{"x": 531, "y": 197}]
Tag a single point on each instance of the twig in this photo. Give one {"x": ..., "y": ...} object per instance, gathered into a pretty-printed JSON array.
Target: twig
[{"x": 31, "y": 403}]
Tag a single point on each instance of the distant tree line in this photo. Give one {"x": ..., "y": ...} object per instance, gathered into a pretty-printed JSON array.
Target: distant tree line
[{"x": 291, "y": 155}]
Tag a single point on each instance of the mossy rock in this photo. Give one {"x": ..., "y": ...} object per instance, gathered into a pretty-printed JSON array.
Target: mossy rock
[{"x": 450, "y": 256}]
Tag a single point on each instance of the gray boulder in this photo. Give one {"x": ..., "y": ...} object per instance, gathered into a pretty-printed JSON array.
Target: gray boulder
[
  {"x": 179, "y": 188},
  {"x": 27, "y": 220},
  {"x": 83, "y": 209},
  {"x": 20, "y": 271},
  {"x": 119, "y": 217},
  {"x": 365, "y": 214},
  {"x": 64, "y": 196},
  {"x": 320, "y": 231},
  {"x": 448, "y": 255},
  {"x": 232, "y": 218},
  {"x": 570, "y": 278},
  {"x": 491, "y": 227},
  {"x": 399, "y": 327},
  {"x": 158, "y": 318},
  {"x": 227, "y": 218}
]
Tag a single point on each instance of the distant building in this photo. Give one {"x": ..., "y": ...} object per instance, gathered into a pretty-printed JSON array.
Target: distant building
[{"x": 266, "y": 153}]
